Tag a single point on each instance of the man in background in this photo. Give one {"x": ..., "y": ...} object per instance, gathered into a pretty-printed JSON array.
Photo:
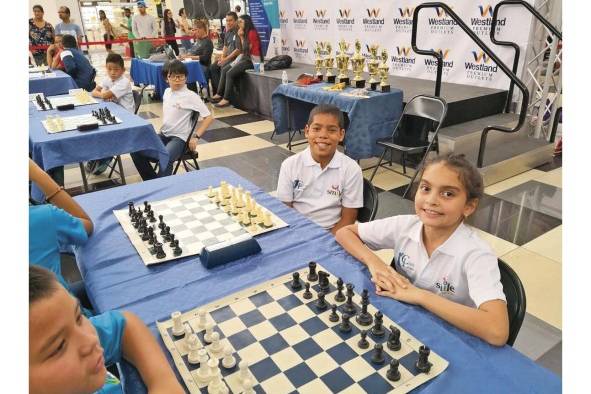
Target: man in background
[
  {"x": 143, "y": 26},
  {"x": 127, "y": 26},
  {"x": 67, "y": 27},
  {"x": 230, "y": 50}
]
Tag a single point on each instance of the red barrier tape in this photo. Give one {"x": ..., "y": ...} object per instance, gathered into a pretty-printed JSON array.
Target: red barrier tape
[{"x": 118, "y": 41}]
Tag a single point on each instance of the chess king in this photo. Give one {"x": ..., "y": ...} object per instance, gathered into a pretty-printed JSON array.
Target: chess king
[
  {"x": 357, "y": 62},
  {"x": 372, "y": 67},
  {"x": 328, "y": 64},
  {"x": 342, "y": 63},
  {"x": 384, "y": 68},
  {"x": 319, "y": 62}
]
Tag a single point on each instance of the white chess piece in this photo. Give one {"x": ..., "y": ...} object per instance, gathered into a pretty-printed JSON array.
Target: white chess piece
[
  {"x": 247, "y": 387},
  {"x": 194, "y": 347},
  {"x": 243, "y": 366},
  {"x": 216, "y": 385},
  {"x": 177, "y": 323},
  {"x": 202, "y": 313},
  {"x": 267, "y": 221},
  {"x": 208, "y": 331},
  {"x": 188, "y": 333},
  {"x": 203, "y": 373},
  {"x": 216, "y": 345},
  {"x": 228, "y": 361},
  {"x": 210, "y": 192}
]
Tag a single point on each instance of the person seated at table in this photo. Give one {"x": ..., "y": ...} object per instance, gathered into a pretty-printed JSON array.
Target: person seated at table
[
  {"x": 440, "y": 263},
  {"x": 178, "y": 105},
  {"x": 114, "y": 87},
  {"x": 53, "y": 53},
  {"x": 251, "y": 53},
  {"x": 54, "y": 226},
  {"x": 321, "y": 182},
  {"x": 230, "y": 50},
  {"x": 68, "y": 351},
  {"x": 202, "y": 48},
  {"x": 76, "y": 64}
]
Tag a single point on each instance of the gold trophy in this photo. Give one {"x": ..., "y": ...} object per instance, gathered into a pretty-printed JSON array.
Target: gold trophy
[
  {"x": 329, "y": 64},
  {"x": 342, "y": 63},
  {"x": 384, "y": 68},
  {"x": 319, "y": 62},
  {"x": 357, "y": 63},
  {"x": 372, "y": 67}
]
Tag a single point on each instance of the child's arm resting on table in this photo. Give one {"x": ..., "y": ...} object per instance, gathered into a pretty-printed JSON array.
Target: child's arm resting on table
[
  {"x": 348, "y": 216},
  {"x": 141, "y": 349}
]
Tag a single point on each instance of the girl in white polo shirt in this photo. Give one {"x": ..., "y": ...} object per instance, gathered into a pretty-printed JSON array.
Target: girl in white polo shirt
[{"x": 440, "y": 263}]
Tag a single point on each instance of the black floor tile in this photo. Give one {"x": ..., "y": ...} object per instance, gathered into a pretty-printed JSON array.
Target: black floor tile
[
  {"x": 281, "y": 138},
  {"x": 554, "y": 164},
  {"x": 537, "y": 196},
  {"x": 241, "y": 119},
  {"x": 217, "y": 124},
  {"x": 267, "y": 159},
  {"x": 221, "y": 134},
  {"x": 93, "y": 187},
  {"x": 147, "y": 115},
  {"x": 389, "y": 204},
  {"x": 553, "y": 359}
]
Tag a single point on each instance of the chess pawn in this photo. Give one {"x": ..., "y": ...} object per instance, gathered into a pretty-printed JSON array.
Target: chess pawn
[
  {"x": 194, "y": 347},
  {"x": 210, "y": 192},
  {"x": 202, "y": 318},
  {"x": 216, "y": 345},
  {"x": 253, "y": 228},
  {"x": 247, "y": 387},
  {"x": 177, "y": 324},
  {"x": 267, "y": 221},
  {"x": 228, "y": 361},
  {"x": 245, "y": 218},
  {"x": 239, "y": 202},
  {"x": 203, "y": 373},
  {"x": 208, "y": 332},
  {"x": 243, "y": 367},
  {"x": 188, "y": 333},
  {"x": 217, "y": 199}
]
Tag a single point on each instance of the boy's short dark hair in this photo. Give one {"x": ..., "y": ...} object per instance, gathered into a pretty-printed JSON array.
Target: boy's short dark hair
[
  {"x": 233, "y": 15},
  {"x": 69, "y": 41},
  {"x": 115, "y": 58},
  {"x": 328, "y": 109},
  {"x": 42, "y": 283},
  {"x": 174, "y": 67}
]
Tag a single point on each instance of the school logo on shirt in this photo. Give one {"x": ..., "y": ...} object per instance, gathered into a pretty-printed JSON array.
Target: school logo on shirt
[
  {"x": 297, "y": 184},
  {"x": 334, "y": 190},
  {"x": 445, "y": 288},
  {"x": 404, "y": 262}
]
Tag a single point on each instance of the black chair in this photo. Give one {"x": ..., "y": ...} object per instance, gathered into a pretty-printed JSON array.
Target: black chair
[
  {"x": 421, "y": 116},
  {"x": 370, "y": 203},
  {"x": 516, "y": 303},
  {"x": 188, "y": 155}
]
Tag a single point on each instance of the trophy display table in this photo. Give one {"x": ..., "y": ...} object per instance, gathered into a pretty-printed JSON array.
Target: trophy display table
[{"x": 369, "y": 118}]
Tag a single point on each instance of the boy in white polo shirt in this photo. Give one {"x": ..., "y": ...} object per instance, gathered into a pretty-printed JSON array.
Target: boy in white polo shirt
[
  {"x": 178, "y": 103},
  {"x": 439, "y": 262},
  {"x": 321, "y": 182}
]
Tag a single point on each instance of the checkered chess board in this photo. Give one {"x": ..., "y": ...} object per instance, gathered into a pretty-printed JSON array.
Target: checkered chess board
[
  {"x": 292, "y": 347},
  {"x": 72, "y": 123},
  {"x": 196, "y": 222}
]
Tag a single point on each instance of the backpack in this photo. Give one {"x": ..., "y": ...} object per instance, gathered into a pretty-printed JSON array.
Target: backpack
[{"x": 278, "y": 63}]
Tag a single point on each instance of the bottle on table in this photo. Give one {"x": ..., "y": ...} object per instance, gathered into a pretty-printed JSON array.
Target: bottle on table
[
  {"x": 262, "y": 70},
  {"x": 284, "y": 79}
]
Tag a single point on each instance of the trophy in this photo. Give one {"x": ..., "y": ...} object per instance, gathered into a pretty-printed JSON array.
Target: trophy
[
  {"x": 357, "y": 62},
  {"x": 372, "y": 67},
  {"x": 319, "y": 62},
  {"x": 383, "y": 67},
  {"x": 342, "y": 63},
  {"x": 328, "y": 64}
]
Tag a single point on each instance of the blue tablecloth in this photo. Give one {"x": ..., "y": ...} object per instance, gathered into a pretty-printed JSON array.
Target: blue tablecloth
[
  {"x": 117, "y": 279},
  {"x": 52, "y": 86},
  {"x": 53, "y": 150},
  {"x": 150, "y": 73},
  {"x": 369, "y": 118}
]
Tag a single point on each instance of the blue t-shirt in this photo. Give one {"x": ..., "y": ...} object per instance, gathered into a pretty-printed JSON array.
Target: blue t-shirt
[
  {"x": 109, "y": 327},
  {"x": 79, "y": 68},
  {"x": 52, "y": 229},
  {"x": 68, "y": 28}
]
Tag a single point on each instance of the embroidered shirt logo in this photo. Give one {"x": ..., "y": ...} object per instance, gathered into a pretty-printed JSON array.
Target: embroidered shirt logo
[
  {"x": 335, "y": 190},
  {"x": 445, "y": 287},
  {"x": 404, "y": 262},
  {"x": 297, "y": 184}
]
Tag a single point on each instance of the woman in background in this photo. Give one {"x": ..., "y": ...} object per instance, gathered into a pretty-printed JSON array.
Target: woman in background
[
  {"x": 169, "y": 30},
  {"x": 183, "y": 24},
  {"x": 107, "y": 29}
]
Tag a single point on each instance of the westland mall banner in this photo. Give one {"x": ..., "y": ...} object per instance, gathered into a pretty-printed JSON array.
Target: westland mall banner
[
  {"x": 388, "y": 23},
  {"x": 265, "y": 16}
]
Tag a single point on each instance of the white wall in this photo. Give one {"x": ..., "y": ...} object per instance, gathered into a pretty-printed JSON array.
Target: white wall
[{"x": 51, "y": 6}]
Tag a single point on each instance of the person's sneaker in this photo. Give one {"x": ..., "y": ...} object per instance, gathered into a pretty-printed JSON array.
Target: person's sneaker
[{"x": 101, "y": 167}]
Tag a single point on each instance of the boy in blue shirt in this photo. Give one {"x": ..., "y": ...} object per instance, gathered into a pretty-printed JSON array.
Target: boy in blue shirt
[
  {"x": 76, "y": 64},
  {"x": 68, "y": 352}
]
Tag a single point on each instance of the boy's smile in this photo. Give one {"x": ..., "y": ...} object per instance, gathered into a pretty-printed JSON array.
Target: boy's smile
[{"x": 324, "y": 134}]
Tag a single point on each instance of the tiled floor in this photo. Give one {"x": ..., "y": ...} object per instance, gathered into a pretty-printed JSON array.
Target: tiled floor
[{"x": 520, "y": 217}]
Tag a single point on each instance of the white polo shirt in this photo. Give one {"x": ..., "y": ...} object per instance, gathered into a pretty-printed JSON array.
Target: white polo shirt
[
  {"x": 177, "y": 107},
  {"x": 463, "y": 269},
  {"x": 121, "y": 89},
  {"x": 320, "y": 193}
]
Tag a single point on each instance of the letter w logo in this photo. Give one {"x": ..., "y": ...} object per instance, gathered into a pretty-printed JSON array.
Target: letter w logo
[
  {"x": 440, "y": 12},
  {"x": 374, "y": 12},
  {"x": 320, "y": 13},
  {"x": 485, "y": 10},
  {"x": 403, "y": 51},
  {"x": 283, "y": 42},
  {"x": 300, "y": 43},
  {"x": 406, "y": 12},
  {"x": 282, "y": 14},
  {"x": 299, "y": 13},
  {"x": 480, "y": 57},
  {"x": 443, "y": 52},
  {"x": 344, "y": 13}
]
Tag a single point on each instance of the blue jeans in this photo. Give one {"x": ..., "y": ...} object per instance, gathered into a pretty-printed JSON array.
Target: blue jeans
[{"x": 175, "y": 147}]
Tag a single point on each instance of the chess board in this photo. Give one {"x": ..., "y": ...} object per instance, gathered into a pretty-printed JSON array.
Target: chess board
[
  {"x": 41, "y": 74},
  {"x": 72, "y": 123},
  {"x": 77, "y": 100},
  {"x": 290, "y": 346},
  {"x": 196, "y": 221}
]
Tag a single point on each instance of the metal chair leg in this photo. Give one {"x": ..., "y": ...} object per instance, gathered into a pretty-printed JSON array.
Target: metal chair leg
[
  {"x": 178, "y": 164},
  {"x": 377, "y": 166},
  {"x": 121, "y": 174},
  {"x": 404, "y": 163},
  {"x": 112, "y": 167},
  {"x": 196, "y": 165},
  {"x": 84, "y": 180}
]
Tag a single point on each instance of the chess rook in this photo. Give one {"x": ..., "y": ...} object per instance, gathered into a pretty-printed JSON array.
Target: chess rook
[{"x": 312, "y": 275}]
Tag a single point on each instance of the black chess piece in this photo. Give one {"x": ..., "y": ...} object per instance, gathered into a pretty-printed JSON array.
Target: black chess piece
[
  {"x": 312, "y": 275},
  {"x": 378, "y": 328},
  {"x": 323, "y": 281},
  {"x": 393, "y": 373},
  {"x": 163, "y": 230},
  {"x": 307, "y": 293},
  {"x": 146, "y": 234},
  {"x": 321, "y": 304},
  {"x": 378, "y": 354},
  {"x": 334, "y": 317},
  {"x": 40, "y": 102},
  {"x": 146, "y": 206},
  {"x": 48, "y": 102},
  {"x": 339, "y": 297},
  {"x": 166, "y": 234},
  {"x": 151, "y": 235},
  {"x": 363, "y": 342},
  {"x": 423, "y": 364},
  {"x": 159, "y": 251},
  {"x": 364, "y": 318},
  {"x": 296, "y": 284},
  {"x": 345, "y": 325},
  {"x": 131, "y": 208},
  {"x": 349, "y": 307},
  {"x": 151, "y": 216},
  {"x": 177, "y": 251},
  {"x": 171, "y": 238},
  {"x": 394, "y": 339},
  {"x": 161, "y": 224}
]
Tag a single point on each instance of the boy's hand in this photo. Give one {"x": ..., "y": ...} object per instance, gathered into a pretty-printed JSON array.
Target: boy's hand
[{"x": 409, "y": 294}]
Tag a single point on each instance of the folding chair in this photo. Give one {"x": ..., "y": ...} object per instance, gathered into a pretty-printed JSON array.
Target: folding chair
[
  {"x": 370, "y": 203},
  {"x": 516, "y": 302},
  {"x": 188, "y": 155}
]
